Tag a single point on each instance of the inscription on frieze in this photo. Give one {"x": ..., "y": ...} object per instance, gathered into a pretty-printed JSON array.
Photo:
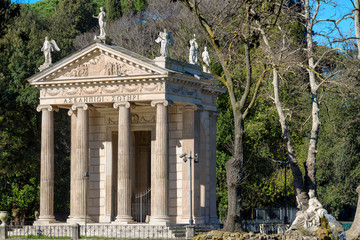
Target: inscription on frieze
[{"x": 100, "y": 99}]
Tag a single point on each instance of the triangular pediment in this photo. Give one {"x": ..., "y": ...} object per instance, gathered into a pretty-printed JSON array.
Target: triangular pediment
[{"x": 98, "y": 61}]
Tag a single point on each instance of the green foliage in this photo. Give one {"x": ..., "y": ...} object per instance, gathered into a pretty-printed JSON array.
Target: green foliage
[
  {"x": 132, "y": 6},
  {"x": 113, "y": 9},
  {"x": 45, "y": 8}
]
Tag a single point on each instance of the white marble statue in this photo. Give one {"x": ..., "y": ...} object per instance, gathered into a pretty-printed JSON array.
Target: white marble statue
[
  {"x": 206, "y": 58},
  {"x": 193, "y": 54},
  {"x": 102, "y": 23},
  {"x": 47, "y": 48},
  {"x": 164, "y": 39},
  {"x": 309, "y": 220}
]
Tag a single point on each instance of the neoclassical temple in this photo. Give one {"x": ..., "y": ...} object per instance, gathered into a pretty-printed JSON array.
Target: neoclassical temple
[{"x": 131, "y": 119}]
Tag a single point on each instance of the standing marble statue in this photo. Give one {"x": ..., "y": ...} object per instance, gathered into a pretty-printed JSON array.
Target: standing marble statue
[
  {"x": 102, "y": 23},
  {"x": 193, "y": 55},
  {"x": 47, "y": 48},
  {"x": 164, "y": 39},
  {"x": 206, "y": 58}
]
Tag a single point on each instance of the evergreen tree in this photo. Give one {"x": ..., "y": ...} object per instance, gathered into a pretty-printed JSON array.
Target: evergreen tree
[{"x": 113, "y": 9}]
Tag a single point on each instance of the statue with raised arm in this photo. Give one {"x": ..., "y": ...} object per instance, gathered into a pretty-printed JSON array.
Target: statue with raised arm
[
  {"x": 193, "y": 55},
  {"x": 102, "y": 23},
  {"x": 206, "y": 58},
  {"x": 165, "y": 39},
  {"x": 47, "y": 48}
]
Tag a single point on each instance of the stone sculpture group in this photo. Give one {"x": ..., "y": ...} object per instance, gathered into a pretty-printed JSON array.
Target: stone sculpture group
[
  {"x": 309, "y": 220},
  {"x": 164, "y": 38}
]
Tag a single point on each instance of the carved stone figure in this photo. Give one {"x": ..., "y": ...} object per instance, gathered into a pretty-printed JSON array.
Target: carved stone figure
[
  {"x": 164, "y": 39},
  {"x": 47, "y": 48},
  {"x": 102, "y": 23},
  {"x": 206, "y": 58},
  {"x": 310, "y": 218},
  {"x": 193, "y": 55}
]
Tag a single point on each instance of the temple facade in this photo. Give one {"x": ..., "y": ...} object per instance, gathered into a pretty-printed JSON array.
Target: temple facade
[{"x": 131, "y": 119}]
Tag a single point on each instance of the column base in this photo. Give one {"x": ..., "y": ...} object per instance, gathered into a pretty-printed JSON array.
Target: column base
[
  {"x": 196, "y": 220},
  {"x": 122, "y": 220},
  {"x": 45, "y": 220},
  {"x": 160, "y": 220},
  {"x": 79, "y": 220}
]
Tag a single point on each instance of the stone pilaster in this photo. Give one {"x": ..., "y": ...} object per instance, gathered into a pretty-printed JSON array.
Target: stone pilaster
[
  {"x": 191, "y": 142},
  {"x": 212, "y": 171},
  {"x": 160, "y": 166},
  {"x": 47, "y": 165},
  {"x": 79, "y": 162},
  {"x": 124, "y": 178}
]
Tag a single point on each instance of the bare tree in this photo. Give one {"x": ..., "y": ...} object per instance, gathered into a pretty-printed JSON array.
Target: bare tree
[
  {"x": 282, "y": 52},
  {"x": 227, "y": 26}
]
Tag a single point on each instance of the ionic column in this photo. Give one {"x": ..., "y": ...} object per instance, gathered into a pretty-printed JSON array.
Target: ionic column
[
  {"x": 80, "y": 162},
  {"x": 212, "y": 131},
  {"x": 124, "y": 179},
  {"x": 160, "y": 166},
  {"x": 47, "y": 165},
  {"x": 74, "y": 208}
]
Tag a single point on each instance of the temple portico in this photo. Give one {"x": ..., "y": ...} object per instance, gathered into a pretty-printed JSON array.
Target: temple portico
[{"x": 131, "y": 119}]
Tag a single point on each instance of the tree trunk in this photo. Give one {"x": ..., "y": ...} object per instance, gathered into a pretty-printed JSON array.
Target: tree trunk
[
  {"x": 299, "y": 188},
  {"x": 310, "y": 170},
  {"x": 357, "y": 26},
  {"x": 354, "y": 231},
  {"x": 234, "y": 174}
]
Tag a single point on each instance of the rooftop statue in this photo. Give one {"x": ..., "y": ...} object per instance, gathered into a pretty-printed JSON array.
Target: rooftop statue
[
  {"x": 206, "y": 58},
  {"x": 47, "y": 48},
  {"x": 102, "y": 23},
  {"x": 164, "y": 39},
  {"x": 193, "y": 55}
]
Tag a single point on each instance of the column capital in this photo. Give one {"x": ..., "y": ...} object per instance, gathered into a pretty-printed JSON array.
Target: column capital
[
  {"x": 126, "y": 104},
  {"x": 194, "y": 107},
  {"x": 164, "y": 102},
  {"x": 47, "y": 107},
  {"x": 71, "y": 112},
  {"x": 84, "y": 106}
]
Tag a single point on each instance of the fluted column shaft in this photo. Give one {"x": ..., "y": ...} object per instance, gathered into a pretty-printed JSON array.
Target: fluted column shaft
[
  {"x": 124, "y": 178},
  {"x": 79, "y": 161},
  {"x": 74, "y": 208},
  {"x": 212, "y": 130},
  {"x": 47, "y": 165},
  {"x": 159, "y": 171}
]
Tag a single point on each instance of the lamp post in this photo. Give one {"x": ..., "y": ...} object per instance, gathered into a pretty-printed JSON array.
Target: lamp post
[
  {"x": 284, "y": 164},
  {"x": 196, "y": 160},
  {"x": 85, "y": 177}
]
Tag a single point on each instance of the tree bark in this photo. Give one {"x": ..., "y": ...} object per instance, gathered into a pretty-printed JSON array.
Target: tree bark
[
  {"x": 354, "y": 231},
  {"x": 357, "y": 25},
  {"x": 299, "y": 187},
  {"x": 310, "y": 170},
  {"x": 234, "y": 174}
]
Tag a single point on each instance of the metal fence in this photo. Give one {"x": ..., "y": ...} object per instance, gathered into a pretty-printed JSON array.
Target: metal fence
[{"x": 141, "y": 205}]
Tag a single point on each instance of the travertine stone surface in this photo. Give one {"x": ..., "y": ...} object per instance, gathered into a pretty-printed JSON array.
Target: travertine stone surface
[
  {"x": 124, "y": 180},
  {"x": 82, "y": 163},
  {"x": 47, "y": 165},
  {"x": 160, "y": 168},
  {"x": 135, "y": 146}
]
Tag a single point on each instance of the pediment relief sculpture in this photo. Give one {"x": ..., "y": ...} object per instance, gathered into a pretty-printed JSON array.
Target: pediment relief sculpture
[{"x": 103, "y": 65}]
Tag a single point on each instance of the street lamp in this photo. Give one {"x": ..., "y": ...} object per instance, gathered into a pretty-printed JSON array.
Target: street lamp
[
  {"x": 284, "y": 164},
  {"x": 196, "y": 160},
  {"x": 85, "y": 177}
]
